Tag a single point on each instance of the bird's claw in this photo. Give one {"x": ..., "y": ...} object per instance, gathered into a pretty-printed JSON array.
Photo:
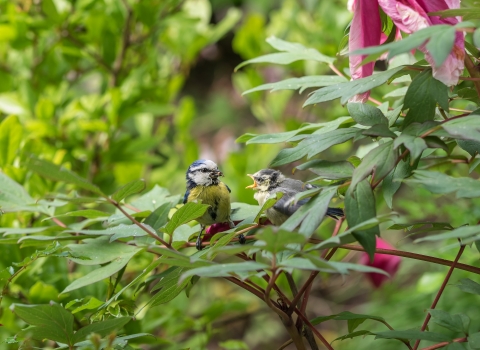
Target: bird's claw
[
  {"x": 198, "y": 244},
  {"x": 241, "y": 238}
]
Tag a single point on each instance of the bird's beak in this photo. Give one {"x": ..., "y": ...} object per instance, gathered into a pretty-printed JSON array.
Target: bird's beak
[
  {"x": 216, "y": 174},
  {"x": 254, "y": 185}
]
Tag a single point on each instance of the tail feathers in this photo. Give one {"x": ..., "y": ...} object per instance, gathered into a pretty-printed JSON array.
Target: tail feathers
[{"x": 335, "y": 213}]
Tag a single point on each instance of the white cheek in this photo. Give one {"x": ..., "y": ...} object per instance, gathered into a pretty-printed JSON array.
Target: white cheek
[{"x": 201, "y": 178}]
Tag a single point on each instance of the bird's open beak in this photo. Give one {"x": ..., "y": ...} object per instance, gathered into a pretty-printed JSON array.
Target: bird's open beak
[
  {"x": 216, "y": 174},
  {"x": 254, "y": 185}
]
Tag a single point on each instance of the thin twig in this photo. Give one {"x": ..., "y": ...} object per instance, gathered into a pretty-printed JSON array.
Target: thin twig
[
  {"x": 445, "y": 343},
  {"x": 439, "y": 294}
]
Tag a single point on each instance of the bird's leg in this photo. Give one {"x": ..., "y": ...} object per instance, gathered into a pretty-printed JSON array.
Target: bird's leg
[
  {"x": 198, "y": 244},
  {"x": 241, "y": 237}
]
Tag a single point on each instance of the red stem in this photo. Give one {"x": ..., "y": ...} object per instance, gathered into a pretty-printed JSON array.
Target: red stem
[
  {"x": 445, "y": 343},
  {"x": 439, "y": 294}
]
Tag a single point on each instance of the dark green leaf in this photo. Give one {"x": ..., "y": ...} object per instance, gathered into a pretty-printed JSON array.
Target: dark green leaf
[
  {"x": 474, "y": 340},
  {"x": 129, "y": 189},
  {"x": 186, "y": 213},
  {"x": 327, "y": 169},
  {"x": 415, "y": 145},
  {"x": 380, "y": 160},
  {"x": 456, "y": 323},
  {"x": 436, "y": 182},
  {"x": 57, "y": 173},
  {"x": 54, "y": 320},
  {"x": 465, "y": 128},
  {"x": 379, "y": 130},
  {"x": 159, "y": 217},
  {"x": 365, "y": 114},
  {"x": 225, "y": 270},
  {"x": 354, "y": 335},
  {"x": 412, "y": 334},
  {"x": 275, "y": 242},
  {"x": 469, "y": 286},
  {"x": 349, "y": 89},
  {"x": 313, "y": 144},
  {"x": 360, "y": 207},
  {"x": 422, "y": 97},
  {"x": 472, "y": 147},
  {"x": 392, "y": 181}
]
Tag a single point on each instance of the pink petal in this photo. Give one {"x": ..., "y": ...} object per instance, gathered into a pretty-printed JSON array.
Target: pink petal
[
  {"x": 365, "y": 31},
  {"x": 408, "y": 17},
  {"x": 388, "y": 263}
]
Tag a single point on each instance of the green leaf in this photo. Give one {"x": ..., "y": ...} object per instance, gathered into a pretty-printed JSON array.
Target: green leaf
[
  {"x": 381, "y": 130},
  {"x": 474, "y": 340},
  {"x": 380, "y": 160},
  {"x": 466, "y": 13},
  {"x": 10, "y": 138},
  {"x": 270, "y": 202},
  {"x": 456, "y": 323},
  {"x": 354, "y": 320},
  {"x": 392, "y": 181},
  {"x": 292, "y": 52},
  {"x": 465, "y": 128},
  {"x": 360, "y": 207},
  {"x": 314, "y": 144},
  {"x": 186, "y": 213},
  {"x": 310, "y": 215},
  {"x": 328, "y": 170},
  {"x": 57, "y": 173},
  {"x": 54, "y": 321},
  {"x": 476, "y": 37},
  {"x": 469, "y": 286},
  {"x": 87, "y": 213},
  {"x": 472, "y": 147},
  {"x": 461, "y": 232},
  {"x": 103, "y": 328},
  {"x": 309, "y": 264},
  {"x": 365, "y": 114},
  {"x": 225, "y": 270},
  {"x": 441, "y": 44},
  {"x": 422, "y": 97},
  {"x": 413, "y": 334},
  {"x": 129, "y": 189},
  {"x": 353, "y": 335},
  {"x": 277, "y": 241},
  {"x": 351, "y": 88},
  {"x": 301, "y": 83},
  {"x": 440, "y": 183},
  {"x": 415, "y": 145},
  {"x": 159, "y": 217}
]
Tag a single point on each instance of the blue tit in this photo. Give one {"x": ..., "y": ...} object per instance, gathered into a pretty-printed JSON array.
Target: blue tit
[
  {"x": 267, "y": 182},
  {"x": 203, "y": 185}
]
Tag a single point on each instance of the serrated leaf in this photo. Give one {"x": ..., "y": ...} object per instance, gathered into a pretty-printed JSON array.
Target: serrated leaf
[
  {"x": 360, "y": 207},
  {"x": 314, "y": 144},
  {"x": 327, "y": 169},
  {"x": 54, "y": 172},
  {"x": 422, "y": 97},
  {"x": 186, "y": 213},
  {"x": 102, "y": 328},
  {"x": 381, "y": 160},
  {"x": 129, "y": 189},
  {"x": 365, "y": 114},
  {"x": 349, "y": 89}
]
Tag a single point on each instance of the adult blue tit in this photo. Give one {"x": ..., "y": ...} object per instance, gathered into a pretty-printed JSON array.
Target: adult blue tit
[
  {"x": 267, "y": 182},
  {"x": 203, "y": 184}
]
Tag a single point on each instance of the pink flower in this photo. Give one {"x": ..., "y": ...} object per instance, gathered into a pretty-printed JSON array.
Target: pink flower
[
  {"x": 409, "y": 16},
  {"x": 387, "y": 263}
]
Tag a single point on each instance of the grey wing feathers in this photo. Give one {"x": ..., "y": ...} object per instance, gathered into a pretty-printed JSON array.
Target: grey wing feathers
[{"x": 286, "y": 205}]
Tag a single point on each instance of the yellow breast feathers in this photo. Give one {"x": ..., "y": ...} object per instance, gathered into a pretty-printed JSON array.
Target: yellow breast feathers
[{"x": 217, "y": 197}]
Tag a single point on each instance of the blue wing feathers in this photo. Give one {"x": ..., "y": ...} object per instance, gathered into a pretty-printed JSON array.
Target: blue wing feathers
[{"x": 185, "y": 197}]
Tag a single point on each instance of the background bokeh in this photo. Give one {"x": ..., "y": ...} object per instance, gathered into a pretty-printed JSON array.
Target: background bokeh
[{"x": 115, "y": 103}]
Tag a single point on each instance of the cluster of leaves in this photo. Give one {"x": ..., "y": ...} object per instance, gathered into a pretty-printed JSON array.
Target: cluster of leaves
[{"x": 92, "y": 237}]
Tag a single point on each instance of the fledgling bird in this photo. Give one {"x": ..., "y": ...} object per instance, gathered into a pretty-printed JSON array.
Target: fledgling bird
[
  {"x": 267, "y": 182},
  {"x": 203, "y": 184}
]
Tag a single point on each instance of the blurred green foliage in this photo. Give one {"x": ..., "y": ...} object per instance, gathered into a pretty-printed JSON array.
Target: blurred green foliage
[{"x": 121, "y": 90}]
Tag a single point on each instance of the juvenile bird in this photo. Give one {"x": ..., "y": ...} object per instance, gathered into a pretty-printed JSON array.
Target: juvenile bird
[
  {"x": 267, "y": 182},
  {"x": 203, "y": 184}
]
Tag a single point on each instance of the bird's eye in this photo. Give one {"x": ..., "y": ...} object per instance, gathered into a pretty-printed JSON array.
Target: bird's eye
[{"x": 204, "y": 170}]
